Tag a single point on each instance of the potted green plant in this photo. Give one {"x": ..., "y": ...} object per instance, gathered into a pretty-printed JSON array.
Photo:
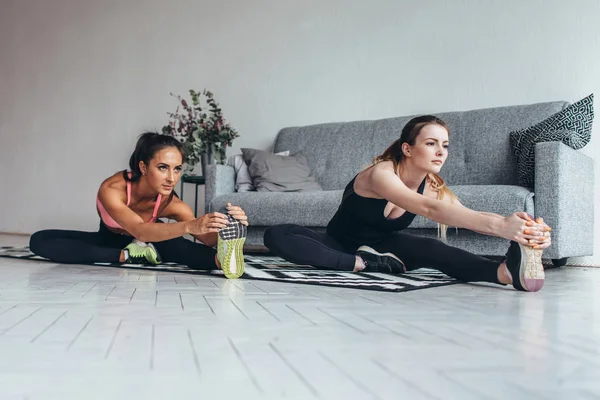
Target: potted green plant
[{"x": 201, "y": 128}]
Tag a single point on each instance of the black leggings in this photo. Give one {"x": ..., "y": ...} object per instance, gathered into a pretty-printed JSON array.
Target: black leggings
[
  {"x": 75, "y": 247},
  {"x": 301, "y": 245}
]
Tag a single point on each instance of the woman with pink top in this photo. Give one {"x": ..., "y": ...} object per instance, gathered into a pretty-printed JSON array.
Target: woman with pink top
[{"x": 130, "y": 203}]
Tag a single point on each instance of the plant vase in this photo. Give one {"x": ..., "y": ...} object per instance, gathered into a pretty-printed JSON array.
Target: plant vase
[{"x": 207, "y": 158}]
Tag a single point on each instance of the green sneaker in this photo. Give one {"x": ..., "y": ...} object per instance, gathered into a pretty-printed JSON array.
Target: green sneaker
[
  {"x": 230, "y": 245},
  {"x": 142, "y": 253}
]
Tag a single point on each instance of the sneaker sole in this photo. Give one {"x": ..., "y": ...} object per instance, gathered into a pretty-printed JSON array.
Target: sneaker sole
[
  {"x": 371, "y": 250},
  {"x": 531, "y": 272},
  {"x": 230, "y": 246}
]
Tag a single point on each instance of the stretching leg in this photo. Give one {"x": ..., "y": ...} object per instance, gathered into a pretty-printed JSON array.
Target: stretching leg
[
  {"x": 76, "y": 247},
  {"x": 301, "y": 245},
  {"x": 186, "y": 252},
  {"x": 421, "y": 252}
]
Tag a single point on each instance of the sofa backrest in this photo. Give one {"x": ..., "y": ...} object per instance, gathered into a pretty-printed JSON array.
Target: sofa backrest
[{"x": 479, "y": 152}]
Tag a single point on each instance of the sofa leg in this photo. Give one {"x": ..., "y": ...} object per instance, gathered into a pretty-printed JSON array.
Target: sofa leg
[{"x": 560, "y": 262}]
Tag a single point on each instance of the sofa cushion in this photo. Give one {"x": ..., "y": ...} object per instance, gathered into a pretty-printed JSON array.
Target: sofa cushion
[
  {"x": 497, "y": 199},
  {"x": 272, "y": 208}
]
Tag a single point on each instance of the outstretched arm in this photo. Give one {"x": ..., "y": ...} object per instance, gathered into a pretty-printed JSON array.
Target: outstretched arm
[
  {"x": 385, "y": 183},
  {"x": 183, "y": 214},
  {"x": 180, "y": 211},
  {"x": 537, "y": 233},
  {"x": 204, "y": 227}
]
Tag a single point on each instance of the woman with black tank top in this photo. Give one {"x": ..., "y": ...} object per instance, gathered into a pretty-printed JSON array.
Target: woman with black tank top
[{"x": 382, "y": 200}]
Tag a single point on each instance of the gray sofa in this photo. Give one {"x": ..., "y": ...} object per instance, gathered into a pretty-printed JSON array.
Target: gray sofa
[{"x": 481, "y": 170}]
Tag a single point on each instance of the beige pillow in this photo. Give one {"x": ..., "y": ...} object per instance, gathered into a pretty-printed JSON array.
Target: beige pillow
[
  {"x": 274, "y": 173},
  {"x": 243, "y": 180}
]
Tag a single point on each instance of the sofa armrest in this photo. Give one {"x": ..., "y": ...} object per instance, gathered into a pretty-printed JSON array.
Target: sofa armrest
[
  {"x": 220, "y": 180},
  {"x": 564, "y": 197}
]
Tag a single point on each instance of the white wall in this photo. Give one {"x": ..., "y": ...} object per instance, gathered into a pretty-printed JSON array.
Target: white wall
[{"x": 81, "y": 79}]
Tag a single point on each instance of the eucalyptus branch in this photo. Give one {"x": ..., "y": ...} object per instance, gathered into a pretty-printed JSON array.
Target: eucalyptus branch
[{"x": 200, "y": 127}]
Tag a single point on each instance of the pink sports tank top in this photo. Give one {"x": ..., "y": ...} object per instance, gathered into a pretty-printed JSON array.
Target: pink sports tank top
[{"x": 110, "y": 222}]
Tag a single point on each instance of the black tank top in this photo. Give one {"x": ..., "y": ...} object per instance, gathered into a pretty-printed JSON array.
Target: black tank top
[{"x": 360, "y": 221}]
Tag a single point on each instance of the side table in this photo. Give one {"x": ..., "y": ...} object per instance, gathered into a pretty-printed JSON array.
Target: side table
[{"x": 196, "y": 180}]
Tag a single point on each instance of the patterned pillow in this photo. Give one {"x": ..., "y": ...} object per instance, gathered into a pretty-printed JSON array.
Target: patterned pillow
[{"x": 572, "y": 126}]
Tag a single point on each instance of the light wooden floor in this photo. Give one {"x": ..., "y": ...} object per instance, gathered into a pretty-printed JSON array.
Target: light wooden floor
[{"x": 82, "y": 332}]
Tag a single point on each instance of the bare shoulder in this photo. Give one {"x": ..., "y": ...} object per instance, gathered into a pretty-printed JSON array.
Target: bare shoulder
[
  {"x": 368, "y": 179},
  {"x": 384, "y": 166},
  {"x": 113, "y": 186},
  {"x": 116, "y": 181}
]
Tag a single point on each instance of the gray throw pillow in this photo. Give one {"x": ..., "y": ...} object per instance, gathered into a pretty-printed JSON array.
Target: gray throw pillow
[
  {"x": 243, "y": 180},
  {"x": 274, "y": 173},
  {"x": 572, "y": 126}
]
